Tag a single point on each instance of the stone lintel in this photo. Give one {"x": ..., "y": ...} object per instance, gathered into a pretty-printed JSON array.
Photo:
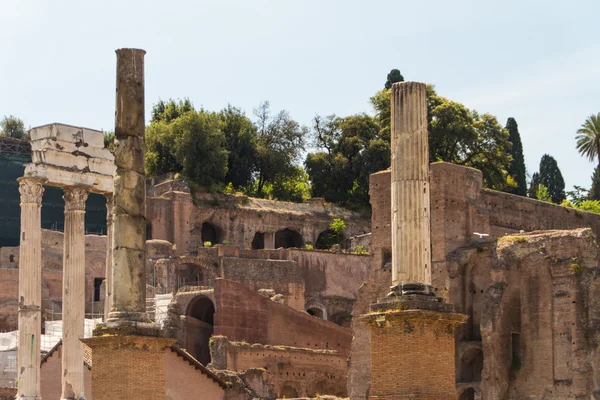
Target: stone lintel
[
  {"x": 113, "y": 341},
  {"x": 74, "y": 134},
  {"x": 61, "y": 177}
]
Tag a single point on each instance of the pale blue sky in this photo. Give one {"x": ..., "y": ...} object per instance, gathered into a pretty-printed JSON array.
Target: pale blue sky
[{"x": 537, "y": 61}]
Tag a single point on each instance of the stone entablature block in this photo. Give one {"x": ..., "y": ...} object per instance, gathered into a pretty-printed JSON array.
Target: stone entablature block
[{"x": 67, "y": 155}]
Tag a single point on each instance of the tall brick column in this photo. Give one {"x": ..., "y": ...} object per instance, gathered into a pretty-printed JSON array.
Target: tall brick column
[
  {"x": 73, "y": 293},
  {"x": 30, "y": 290},
  {"x": 128, "y": 350},
  {"x": 412, "y": 330}
]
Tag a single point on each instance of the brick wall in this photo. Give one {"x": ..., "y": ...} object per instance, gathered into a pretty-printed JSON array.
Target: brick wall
[
  {"x": 412, "y": 358},
  {"x": 243, "y": 315},
  {"x": 307, "y": 372},
  {"x": 50, "y": 377},
  {"x": 130, "y": 367}
]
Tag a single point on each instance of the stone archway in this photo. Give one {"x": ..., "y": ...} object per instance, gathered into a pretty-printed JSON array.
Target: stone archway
[
  {"x": 209, "y": 233},
  {"x": 317, "y": 310},
  {"x": 288, "y": 391},
  {"x": 198, "y": 328},
  {"x": 287, "y": 238},
  {"x": 327, "y": 239}
]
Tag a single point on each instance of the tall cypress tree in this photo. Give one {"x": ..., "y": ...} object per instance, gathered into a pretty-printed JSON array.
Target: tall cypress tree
[
  {"x": 393, "y": 77},
  {"x": 517, "y": 165},
  {"x": 551, "y": 177},
  {"x": 595, "y": 190},
  {"x": 533, "y": 185}
]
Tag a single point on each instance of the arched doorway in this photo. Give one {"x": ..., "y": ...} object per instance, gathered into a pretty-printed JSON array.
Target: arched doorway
[
  {"x": 317, "y": 310},
  {"x": 288, "y": 392},
  {"x": 209, "y": 233},
  {"x": 327, "y": 239},
  {"x": 199, "y": 323},
  {"x": 471, "y": 366},
  {"x": 287, "y": 238}
]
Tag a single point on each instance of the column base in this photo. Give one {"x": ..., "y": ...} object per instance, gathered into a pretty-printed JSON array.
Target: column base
[
  {"x": 412, "y": 347},
  {"x": 128, "y": 328},
  {"x": 128, "y": 367},
  {"x": 402, "y": 289}
]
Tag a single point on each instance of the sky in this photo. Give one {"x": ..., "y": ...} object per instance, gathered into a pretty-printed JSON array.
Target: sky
[{"x": 535, "y": 61}]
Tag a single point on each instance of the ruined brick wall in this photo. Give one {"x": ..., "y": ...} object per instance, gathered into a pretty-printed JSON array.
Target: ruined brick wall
[
  {"x": 177, "y": 216},
  {"x": 409, "y": 359},
  {"x": 290, "y": 370},
  {"x": 243, "y": 315},
  {"x": 541, "y": 318}
]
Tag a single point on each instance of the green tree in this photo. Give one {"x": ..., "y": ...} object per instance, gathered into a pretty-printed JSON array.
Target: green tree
[
  {"x": 192, "y": 144},
  {"x": 13, "y": 127},
  {"x": 280, "y": 140},
  {"x": 240, "y": 138},
  {"x": 594, "y": 193},
  {"x": 293, "y": 186},
  {"x": 517, "y": 166},
  {"x": 354, "y": 151},
  {"x": 542, "y": 194},
  {"x": 109, "y": 140},
  {"x": 170, "y": 110},
  {"x": 383, "y": 112},
  {"x": 551, "y": 177},
  {"x": 578, "y": 195},
  {"x": 533, "y": 185},
  {"x": 588, "y": 138},
  {"x": 393, "y": 77}
]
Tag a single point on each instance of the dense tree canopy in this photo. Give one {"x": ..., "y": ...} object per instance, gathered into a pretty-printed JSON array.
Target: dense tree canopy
[
  {"x": 354, "y": 150},
  {"x": 516, "y": 169},
  {"x": 594, "y": 193},
  {"x": 240, "y": 140},
  {"x": 13, "y": 127}
]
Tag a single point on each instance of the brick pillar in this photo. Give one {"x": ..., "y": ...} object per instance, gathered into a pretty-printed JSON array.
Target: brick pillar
[
  {"x": 73, "y": 314},
  {"x": 30, "y": 290},
  {"x": 412, "y": 351},
  {"x": 128, "y": 367}
]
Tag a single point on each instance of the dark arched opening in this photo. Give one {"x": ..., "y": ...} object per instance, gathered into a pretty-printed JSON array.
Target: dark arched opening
[
  {"x": 259, "y": 241},
  {"x": 287, "y": 238},
  {"x": 199, "y": 328},
  {"x": 468, "y": 394},
  {"x": 315, "y": 312},
  {"x": 327, "y": 239},
  {"x": 471, "y": 366},
  {"x": 209, "y": 233},
  {"x": 288, "y": 392}
]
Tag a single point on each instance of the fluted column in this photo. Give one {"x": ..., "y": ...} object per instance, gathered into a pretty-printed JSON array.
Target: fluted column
[
  {"x": 411, "y": 242},
  {"x": 129, "y": 196},
  {"x": 30, "y": 289},
  {"x": 109, "y": 251},
  {"x": 73, "y": 293}
]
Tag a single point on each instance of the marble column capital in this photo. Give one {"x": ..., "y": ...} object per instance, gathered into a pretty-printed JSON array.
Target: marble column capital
[
  {"x": 31, "y": 190},
  {"x": 75, "y": 198}
]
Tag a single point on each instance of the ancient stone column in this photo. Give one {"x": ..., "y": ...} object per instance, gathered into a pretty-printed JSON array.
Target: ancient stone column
[
  {"x": 73, "y": 307},
  {"x": 411, "y": 242},
  {"x": 109, "y": 251},
  {"x": 129, "y": 196},
  {"x": 30, "y": 289},
  {"x": 269, "y": 240}
]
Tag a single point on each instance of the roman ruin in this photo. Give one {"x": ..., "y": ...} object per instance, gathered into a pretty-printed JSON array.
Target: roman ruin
[{"x": 181, "y": 293}]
